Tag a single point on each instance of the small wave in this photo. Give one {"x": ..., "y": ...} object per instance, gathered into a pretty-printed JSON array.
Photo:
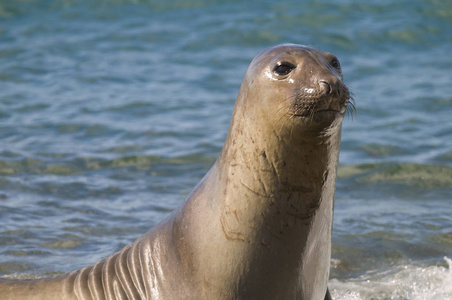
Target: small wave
[
  {"x": 427, "y": 176},
  {"x": 404, "y": 282},
  {"x": 81, "y": 164}
]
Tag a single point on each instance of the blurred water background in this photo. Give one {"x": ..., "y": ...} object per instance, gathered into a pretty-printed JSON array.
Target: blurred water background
[{"x": 112, "y": 110}]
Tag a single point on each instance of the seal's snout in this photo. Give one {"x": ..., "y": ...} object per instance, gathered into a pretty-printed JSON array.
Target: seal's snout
[
  {"x": 325, "y": 87},
  {"x": 330, "y": 87}
]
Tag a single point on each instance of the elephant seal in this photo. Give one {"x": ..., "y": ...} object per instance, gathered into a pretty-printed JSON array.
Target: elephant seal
[{"x": 258, "y": 225}]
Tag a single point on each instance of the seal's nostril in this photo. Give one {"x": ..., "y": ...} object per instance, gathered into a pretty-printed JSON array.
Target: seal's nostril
[{"x": 325, "y": 87}]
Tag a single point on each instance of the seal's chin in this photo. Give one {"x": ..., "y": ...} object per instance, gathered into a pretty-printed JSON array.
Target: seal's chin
[{"x": 320, "y": 121}]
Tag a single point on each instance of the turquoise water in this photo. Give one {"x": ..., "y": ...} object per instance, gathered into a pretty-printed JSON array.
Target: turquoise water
[{"x": 111, "y": 111}]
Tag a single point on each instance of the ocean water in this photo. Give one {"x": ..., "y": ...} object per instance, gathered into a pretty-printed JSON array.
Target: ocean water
[{"x": 112, "y": 110}]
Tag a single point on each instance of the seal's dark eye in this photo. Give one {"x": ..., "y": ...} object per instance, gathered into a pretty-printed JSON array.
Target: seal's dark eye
[
  {"x": 336, "y": 64},
  {"x": 283, "y": 68}
]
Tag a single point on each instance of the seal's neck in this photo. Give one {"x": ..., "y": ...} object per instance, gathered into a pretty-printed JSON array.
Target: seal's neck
[
  {"x": 259, "y": 223},
  {"x": 271, "y": 164},
  {"x": 278, "y": 207}
]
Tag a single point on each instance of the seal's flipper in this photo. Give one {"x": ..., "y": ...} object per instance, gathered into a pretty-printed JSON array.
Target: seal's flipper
[{"x": 328, "y": 295}]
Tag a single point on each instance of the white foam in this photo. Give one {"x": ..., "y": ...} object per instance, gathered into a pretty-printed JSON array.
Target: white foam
[
  {"x": 26, "y": 276},
  {"x": 404, "y": 282}
]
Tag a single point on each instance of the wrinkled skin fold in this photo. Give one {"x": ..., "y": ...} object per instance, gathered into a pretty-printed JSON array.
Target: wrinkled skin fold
[{"x": 258, "y": 225}]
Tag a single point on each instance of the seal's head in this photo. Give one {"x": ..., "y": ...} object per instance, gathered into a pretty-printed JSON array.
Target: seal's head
[{"x": 293, "y": 85}]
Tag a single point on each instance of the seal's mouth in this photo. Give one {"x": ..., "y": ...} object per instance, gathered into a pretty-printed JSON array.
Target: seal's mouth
[
  {"x": 322, "y": 111},
  {"x": 306, "y": 109},
  {"x": 322, "y": 103},
  {"x": 331, "y": 111}
]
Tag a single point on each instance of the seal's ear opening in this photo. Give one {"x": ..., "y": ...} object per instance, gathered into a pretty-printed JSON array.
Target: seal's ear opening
[{"x": 336, "y": 64}]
